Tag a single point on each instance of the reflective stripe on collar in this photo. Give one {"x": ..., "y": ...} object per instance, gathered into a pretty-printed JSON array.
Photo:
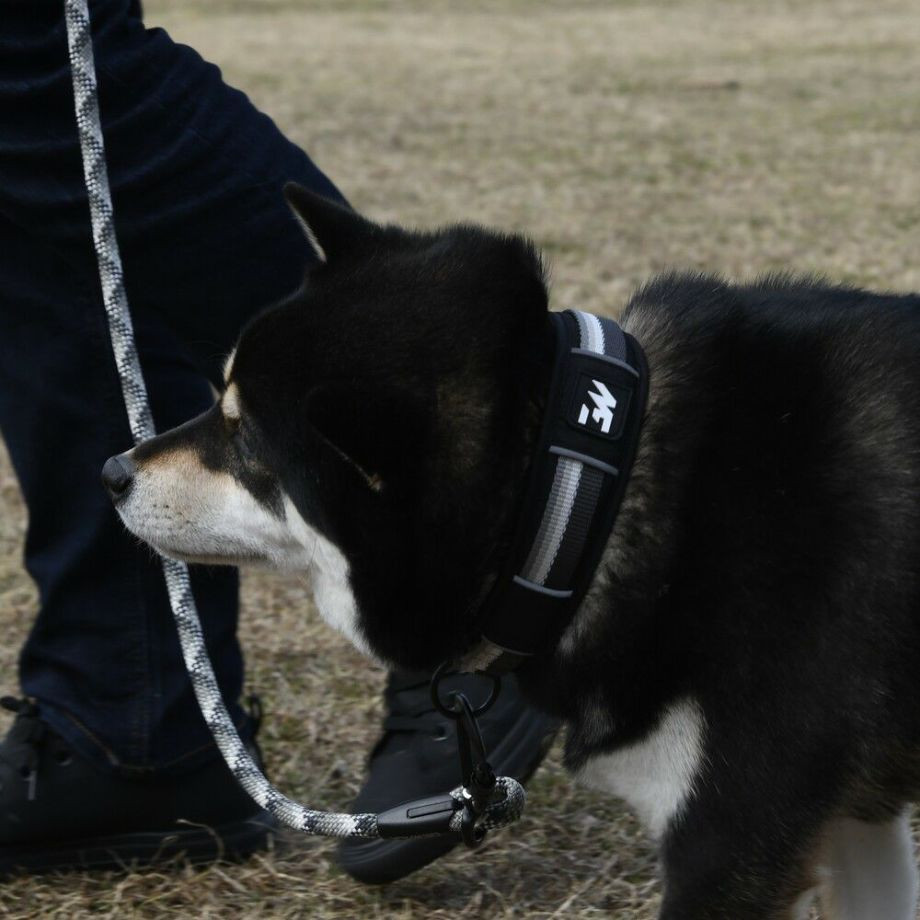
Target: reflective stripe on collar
[{"x": 577, "y": 480}]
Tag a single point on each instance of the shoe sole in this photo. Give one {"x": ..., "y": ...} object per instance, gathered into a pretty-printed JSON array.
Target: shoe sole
[
  {"x": 378, "y": 862},
  {"x": 130, "y": 851}
]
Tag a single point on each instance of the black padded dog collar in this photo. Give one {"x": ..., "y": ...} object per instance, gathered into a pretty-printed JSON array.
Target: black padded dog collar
[{"x": 577, "y": 480}]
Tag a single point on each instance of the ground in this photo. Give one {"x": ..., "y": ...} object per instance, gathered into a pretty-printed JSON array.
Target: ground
[{"x": 728, "y": 135}]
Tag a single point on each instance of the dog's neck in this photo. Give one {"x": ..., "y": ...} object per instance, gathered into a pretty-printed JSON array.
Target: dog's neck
[
  {"x": 617, "y": 621},
  {"x": 640, "y": 545},
  {"x": 579, "y": 468}
]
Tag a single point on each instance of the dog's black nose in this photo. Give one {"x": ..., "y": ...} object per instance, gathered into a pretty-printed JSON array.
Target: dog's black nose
[{"x": 117, "y": 475}]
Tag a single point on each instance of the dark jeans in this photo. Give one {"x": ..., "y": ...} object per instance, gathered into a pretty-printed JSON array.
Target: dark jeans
[{"x": 196, "y": 174}]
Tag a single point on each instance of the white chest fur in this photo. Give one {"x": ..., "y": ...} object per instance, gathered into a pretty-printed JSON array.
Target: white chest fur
[
  {"x": 331, "y": 584},
  {"x": 332, "y": 592},
  {"x": 655, "y": 775}
]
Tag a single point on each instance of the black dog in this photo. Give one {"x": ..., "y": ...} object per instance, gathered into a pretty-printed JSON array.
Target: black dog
[{"x": 745, "y": 667}]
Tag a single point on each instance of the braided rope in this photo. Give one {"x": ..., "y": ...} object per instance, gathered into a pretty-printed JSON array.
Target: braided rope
[{"x": 509, "y": 799}]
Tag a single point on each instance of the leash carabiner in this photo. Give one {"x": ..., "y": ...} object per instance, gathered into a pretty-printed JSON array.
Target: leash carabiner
[
  {"x": 478, "y": 776},
  {"x": 475, "y": 770},
  {"x": 437, "y": 814}
]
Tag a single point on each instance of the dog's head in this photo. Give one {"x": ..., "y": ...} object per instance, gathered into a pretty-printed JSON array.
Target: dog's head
[{"x": 375, "y": 429}]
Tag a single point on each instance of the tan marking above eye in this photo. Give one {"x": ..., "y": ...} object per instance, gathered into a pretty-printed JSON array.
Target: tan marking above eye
[{"x": 230, "y": 403}]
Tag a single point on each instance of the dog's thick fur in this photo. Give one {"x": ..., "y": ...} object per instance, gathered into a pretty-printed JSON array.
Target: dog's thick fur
[{"x": 745, "y": 668}]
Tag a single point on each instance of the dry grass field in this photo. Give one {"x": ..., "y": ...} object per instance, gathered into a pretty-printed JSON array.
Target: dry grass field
[{"x": 625, "y": 137}]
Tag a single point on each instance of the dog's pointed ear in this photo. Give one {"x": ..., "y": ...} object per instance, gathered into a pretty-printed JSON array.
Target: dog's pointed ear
[{"x": 332, "y": 228}]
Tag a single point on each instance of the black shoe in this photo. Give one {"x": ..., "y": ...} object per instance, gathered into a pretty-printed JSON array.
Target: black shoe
[
  {"x": 59, "y": 811},
  {"x": 417, "y": 756}
]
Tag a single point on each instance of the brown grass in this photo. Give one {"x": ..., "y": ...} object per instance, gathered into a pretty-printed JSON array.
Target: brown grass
[{"x": 625, "y": 137}]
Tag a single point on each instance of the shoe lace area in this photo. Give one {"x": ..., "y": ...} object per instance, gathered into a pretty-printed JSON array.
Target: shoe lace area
[
  {"x": 30, "y": 733},
  {"x": 409, "y": 708}
]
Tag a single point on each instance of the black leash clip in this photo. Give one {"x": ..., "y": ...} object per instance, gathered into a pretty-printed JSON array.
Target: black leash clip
[
  {"x": 479, "y": 778},
  {"x": 434, "y": 815},
  {"x": 475, "y": 769}
]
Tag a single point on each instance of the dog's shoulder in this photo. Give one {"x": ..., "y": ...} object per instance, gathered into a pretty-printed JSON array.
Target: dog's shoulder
[{"x": 771, "y": 509}]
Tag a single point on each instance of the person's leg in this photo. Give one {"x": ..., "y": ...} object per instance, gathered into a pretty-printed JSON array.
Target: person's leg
[
  {"x": 196, "y": 173},
  {"x": 98, "y": 658},
  {"x": 206, "y": 239},
  {"x": 101, "y": 771}
]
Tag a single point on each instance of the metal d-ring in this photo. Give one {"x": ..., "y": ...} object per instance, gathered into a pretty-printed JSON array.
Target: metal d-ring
[{"x": 451, "y": 711}]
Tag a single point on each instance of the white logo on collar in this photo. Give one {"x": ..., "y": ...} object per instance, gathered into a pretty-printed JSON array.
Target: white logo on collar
[{"x": 604, "y": 404}]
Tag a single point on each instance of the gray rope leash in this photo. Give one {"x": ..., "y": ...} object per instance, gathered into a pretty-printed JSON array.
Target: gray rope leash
[{"x": 508, "y": 801}]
